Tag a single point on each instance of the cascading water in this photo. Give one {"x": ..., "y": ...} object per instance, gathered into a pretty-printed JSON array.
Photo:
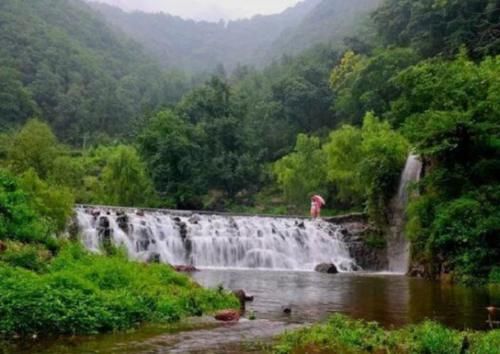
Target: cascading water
[
  {"x": 398, "y": 247},
  {"x": 216, "y": 241}
]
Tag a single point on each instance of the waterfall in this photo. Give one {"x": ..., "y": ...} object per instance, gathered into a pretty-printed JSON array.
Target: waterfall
[
  {"x": 398, "y": 247},
  {"x": 216, "y": 241}
]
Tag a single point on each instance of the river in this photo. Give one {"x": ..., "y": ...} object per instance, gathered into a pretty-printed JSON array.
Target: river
[{"x": 390, "y": 300}]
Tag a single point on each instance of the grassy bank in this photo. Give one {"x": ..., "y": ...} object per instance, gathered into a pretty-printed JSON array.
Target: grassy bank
[
  {"x": 344, "y": 335},
  {"x": 81, "y": 293}
]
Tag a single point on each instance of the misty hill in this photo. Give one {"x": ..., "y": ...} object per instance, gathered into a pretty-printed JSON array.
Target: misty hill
[
  {"x": 192, "y": 45},
  {"x": 60, "y": 61}
]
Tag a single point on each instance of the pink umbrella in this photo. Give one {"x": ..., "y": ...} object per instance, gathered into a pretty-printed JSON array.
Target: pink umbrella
[{"x": 319, "y": 199}]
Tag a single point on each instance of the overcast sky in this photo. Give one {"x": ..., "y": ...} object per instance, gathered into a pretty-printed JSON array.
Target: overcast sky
[{"x": 211, "y": 10}]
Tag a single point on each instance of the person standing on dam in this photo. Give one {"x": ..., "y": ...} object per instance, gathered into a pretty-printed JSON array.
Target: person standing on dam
[{"x": 317, "y": 202}]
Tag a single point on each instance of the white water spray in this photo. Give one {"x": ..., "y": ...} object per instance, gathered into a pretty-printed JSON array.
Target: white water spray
[
  {"x": 398, "y": 247},
  {"x": 217, "y": 241}
]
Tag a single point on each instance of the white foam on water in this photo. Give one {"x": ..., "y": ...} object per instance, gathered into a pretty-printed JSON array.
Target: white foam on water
[{"x": 219, "y": 241}]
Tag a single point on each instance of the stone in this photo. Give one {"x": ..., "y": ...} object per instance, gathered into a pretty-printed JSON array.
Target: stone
[
  {"x": 154, "y": 258},
  {"x": 300, "y": 225},
  {"x": 287, "y": 309},
  {"x": 195, "y": 219},
  {"x": 122, "y": 221},
  {"x": 228, "y": 316},
  {"x": 242, "y": 297},
  {"x": 185, "y": 269},
  {"x": 245, "y": 296},
  {"x": 140, "y": 213},
  {"x": 417, "y": 271},
  {"x": 328, "y": 268}
]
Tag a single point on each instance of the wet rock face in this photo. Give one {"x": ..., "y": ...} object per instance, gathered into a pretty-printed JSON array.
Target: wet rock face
[
  {"x": 327, "y": 268},
  {"x": 105, "y": 232},
  {"x": 123, "y": 222},
  {"x": 417, "y": 271},
  {"x": 355, "y": 233}
]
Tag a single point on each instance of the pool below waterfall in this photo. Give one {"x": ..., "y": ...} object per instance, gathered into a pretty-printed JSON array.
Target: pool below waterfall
[{"x": 389, "y": 299}]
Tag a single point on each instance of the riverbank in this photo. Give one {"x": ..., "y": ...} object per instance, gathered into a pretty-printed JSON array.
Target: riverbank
[
  {"x": 79, "y": 293},
  {"x": 341, "y": 334}
]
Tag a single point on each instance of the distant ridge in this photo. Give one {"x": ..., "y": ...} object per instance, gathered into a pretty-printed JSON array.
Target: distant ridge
[{"x": 202, "y": 46}]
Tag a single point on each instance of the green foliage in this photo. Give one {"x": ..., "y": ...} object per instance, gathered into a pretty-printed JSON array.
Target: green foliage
[
  {"x": 124, "y": 179},
  {"x": 203, "y": 46},
  {"x": 343, "y": 335},
  {"x": 365, "y": 84},
  {"x": 172, "y": 152},
  {"x": 18, "y": 219},
  {"x": 455, "y": 129},
  {"x": 440, "y": 26},
  {"x": 64, "y": 64},
  {"x": 84, "y": 294},
  {"x": 33, "y": 147},
  {"x": 430, "y": 337},
  {"x": 52, "y": 203},
  {"x": 303, "y": 172},
  {"x": 494, "y": 277},
  {"x": 487, "y": 343},
  {"x": 365, "y": 164},
  {"x": 29, "y": 256}
]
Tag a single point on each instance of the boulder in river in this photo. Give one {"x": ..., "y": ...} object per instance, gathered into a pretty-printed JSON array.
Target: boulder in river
[
  {"x": 154, "y": 258},
  {"x": 328, "y": 268},
  {"x": 287, "y": 309},
  {"x": 228, "y": 316}
]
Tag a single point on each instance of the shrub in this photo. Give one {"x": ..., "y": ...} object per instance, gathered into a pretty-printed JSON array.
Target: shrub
[
  {"x": 81, "y": 293},
  {"x": 343, "y": 335},
  {"x": 430, "y": 337},
  {"x": 18, "y": 219},
  {"x": 32, "y": 257}
]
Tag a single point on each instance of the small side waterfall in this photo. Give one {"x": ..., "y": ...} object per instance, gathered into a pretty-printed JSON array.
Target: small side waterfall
[
  {"x": 398, "y": 247},
  {"x": 216, "y": 241}
]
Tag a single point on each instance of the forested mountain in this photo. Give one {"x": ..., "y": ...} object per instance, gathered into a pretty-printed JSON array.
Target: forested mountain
[
  {"x": 187, "y": 44},
  {"x": 60, "y": 61}
]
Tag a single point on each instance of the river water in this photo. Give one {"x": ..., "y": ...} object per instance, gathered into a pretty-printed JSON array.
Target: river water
[{"x": 389, "y": 299}]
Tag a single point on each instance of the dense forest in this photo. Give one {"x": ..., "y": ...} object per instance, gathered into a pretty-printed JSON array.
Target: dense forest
[
  {"x": 62, "y": 63},
  {"x": 87, "y": 116}
]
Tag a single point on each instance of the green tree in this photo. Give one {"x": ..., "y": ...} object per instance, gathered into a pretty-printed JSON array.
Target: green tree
[
  {"x": 33, "y": 147},
  {"x": 16, "y": 103},
  {"x": 302, "y": 172},
  {"x": 343, "y": 155},
  {"x": 53, "y": 203},
  {"x": 170, "y": 148},
  {"x": 364, "y": 164},
  {"x": 125, "y": 180},
  {"x": 365, "y": 84},
  {"x": 441, "y": 26}
]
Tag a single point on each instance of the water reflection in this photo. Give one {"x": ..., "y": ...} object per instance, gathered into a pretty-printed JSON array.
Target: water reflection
[{"x": 390, "y": 300}]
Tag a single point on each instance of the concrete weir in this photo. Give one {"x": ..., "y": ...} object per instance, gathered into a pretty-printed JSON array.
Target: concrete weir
[{"x": 219, "y": 240}]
